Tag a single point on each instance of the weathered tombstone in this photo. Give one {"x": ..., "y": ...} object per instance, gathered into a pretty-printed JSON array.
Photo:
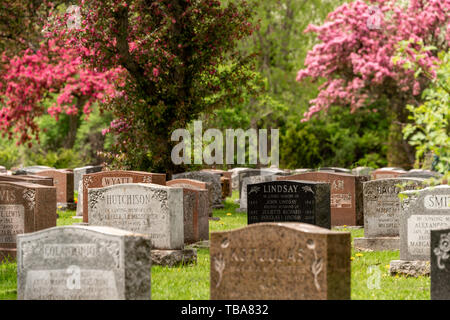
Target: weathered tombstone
[
  {"x": 425, "y": 174},
  {"x": 280, "y": 261},
  {"x": 243, "y": 205},
  {"x": 422, "y": 211},
  {"x": 362, "y": 171},
  {"x": 440, "y": 264},
  {"x": 245, "y": 174},
  {"x": 145, "y": 208},
  {"x": 235, "y": 177},
  {"x": 63, "y": 181},
  {"x": 382, "y": 213},
  {"x": 109, "y": 178},
  {"x": 346, "y": 195},
  {"x": 45, "y": 181},
  {"x": 212, "y": 178},
  {"x": 196, "y": 208},
  {"x": 24, "y": 207},
  {"x": 83, "y": 263},
  {"x": 33, "y": 169},
  {"x": 385, "y": 173},
  {"x": 289, "y": 201},
  {"x": 79, "y": 172},
  {"x": 225, "y": 180}
]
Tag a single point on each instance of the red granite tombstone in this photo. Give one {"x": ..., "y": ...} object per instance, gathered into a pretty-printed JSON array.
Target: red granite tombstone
[
  {"x": 196, "y": 206},
  {"x": 108, "y": 178},
  {"x": 346, "y": 195},
  {"x": 385, "y": 173},
  {"x": 63, "y": 181},
  {"x": 24, "y": 208}
]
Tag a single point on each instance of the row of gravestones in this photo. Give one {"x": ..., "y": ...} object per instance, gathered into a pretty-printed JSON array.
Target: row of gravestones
[{"x": 218, "y": 263}]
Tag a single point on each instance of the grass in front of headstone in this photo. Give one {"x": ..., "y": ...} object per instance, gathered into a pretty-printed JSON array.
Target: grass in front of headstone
[
  {"x": 8, "y": 281},
  {"x": 65, "y": 218}
]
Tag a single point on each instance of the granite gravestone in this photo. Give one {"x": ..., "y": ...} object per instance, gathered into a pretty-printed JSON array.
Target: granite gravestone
[
  {"x": 24, "y": 208},
  {"x": 144, "y": 208},
  {"x": 109, "y": 178},
  {"x": 336, "y": 169},
  {"x": 196, "y": 209},
  {"x": 346, "y": 195},
  {"x": 79, "y": 172},
  {"x": 382, "y": 212},
  {"x": 385, "y": 173},
  {"x": 362, "y": 171},
  {"x": 422, "y": 211},
  {"x": 425, "y": 174},
  {"x": 251, "y": 180},
  {"x": 440, "y": 264},
  {"x": 83, "y": 263},
  {"x": 225, "y": 180},
  {"x": 289, "y": 201},
  {"x": 63, "y": 181},
  {"x": 211, "y": 178},
  {"x": 33, "y": 169},
  {"x": 280, "y": 261},
  {"x": 45, "y": 181}
]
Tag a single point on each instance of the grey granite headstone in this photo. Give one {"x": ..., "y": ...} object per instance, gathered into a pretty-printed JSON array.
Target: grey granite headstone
[
  {"x": 440, "y": 264},
  {"x": 425, "y": 174},
  {"x": 83, "y": 263},
  {"x": 145, "y": 208},
  {"x": 362, "y": 171},
  {"x": 382, "y": 212},
  {"x": 235, "y": 177},
  {"x": 245, "y": 183},
  {"x": 422, "y": 211},
  {"x": 34, "y": 169},
  {"x": 78, "y": 173},
  {"x": 212, "y": 178}
]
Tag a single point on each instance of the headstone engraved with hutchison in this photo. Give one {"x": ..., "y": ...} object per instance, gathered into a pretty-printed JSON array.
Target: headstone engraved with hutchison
[
  {"x": 24, "y": 208},
  {"x": 440, "y": 264},
  {"x": 196, "y": 209},
  {"x": 289, "y": 201},
  {"x": 280, "y": 261},
  {"x": 109, "y": 178},
  {"x": 83, "y": 263},
  {"x": 382, "y": 212},
  {"x": 422, "y": 211},
  {"x": 346, "y": 195}
]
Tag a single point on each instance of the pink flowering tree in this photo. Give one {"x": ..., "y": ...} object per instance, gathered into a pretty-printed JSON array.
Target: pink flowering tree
[
  {"x": 354, "y": 59},
  {"x": 179, "y": 59}
]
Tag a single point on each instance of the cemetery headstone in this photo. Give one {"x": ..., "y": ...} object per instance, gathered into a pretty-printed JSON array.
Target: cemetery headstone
[
  {"x": 289, "y": 201},
  {"x": 83, "y": 263},
  {"x": 280, "y": 261},
  {"x": 108, "y": 178},
  {"x": 440, "y": 264},
  {"x": 425, "y": 174},
  {"x": 144, "y": 208},
  {"x": 422, "y": 211},
  {"x": 382, "y": 212},
  {"x": 24, "y": 208},
  {"x": 243, "y": 205},
  {"x": 79, "y": 172},
  {"x": 33, "y": 169},
  {"x": 362, "y": 171},
  {"x": 385, "y": 173},
  {"x": 212, "y": 178},
  {"x": 346, "y": 195},
  {"x": 45, "y": 181},
  {"x": 63, "y": 181},
  {"x": 335, "y": 169},
  {"x": 196, "y": 208},
  {"x": 235, "y": 177}
]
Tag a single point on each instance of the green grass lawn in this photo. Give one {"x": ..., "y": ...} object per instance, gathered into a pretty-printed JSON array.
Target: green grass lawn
[{"x": 370, "y": 274}]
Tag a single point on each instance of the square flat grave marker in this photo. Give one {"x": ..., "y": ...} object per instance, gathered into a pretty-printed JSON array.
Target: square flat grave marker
[
  {"x": 289, "y": 201},
  {"x": 280, "y": 261},
  {"x": 83, "y": 263}
]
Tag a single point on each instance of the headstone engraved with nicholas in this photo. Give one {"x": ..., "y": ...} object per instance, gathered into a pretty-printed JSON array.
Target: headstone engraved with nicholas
[
  {"x": 289, "y": 201},
  {"x": 382, "y": 213},
  {"x": 83, "y": 263},
  {"x": 145, "y": 208},
  {"x": 24, "y": 208},
  {"x": 422, "y": 211},
  {"x": 108, "y": 178},
  {"x": 280, "y": 261}
]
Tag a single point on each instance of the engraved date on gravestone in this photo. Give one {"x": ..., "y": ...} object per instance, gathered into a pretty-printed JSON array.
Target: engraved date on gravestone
[
  {"x": 419, "y": 227},
  {"x": 12, "y": 222}
]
